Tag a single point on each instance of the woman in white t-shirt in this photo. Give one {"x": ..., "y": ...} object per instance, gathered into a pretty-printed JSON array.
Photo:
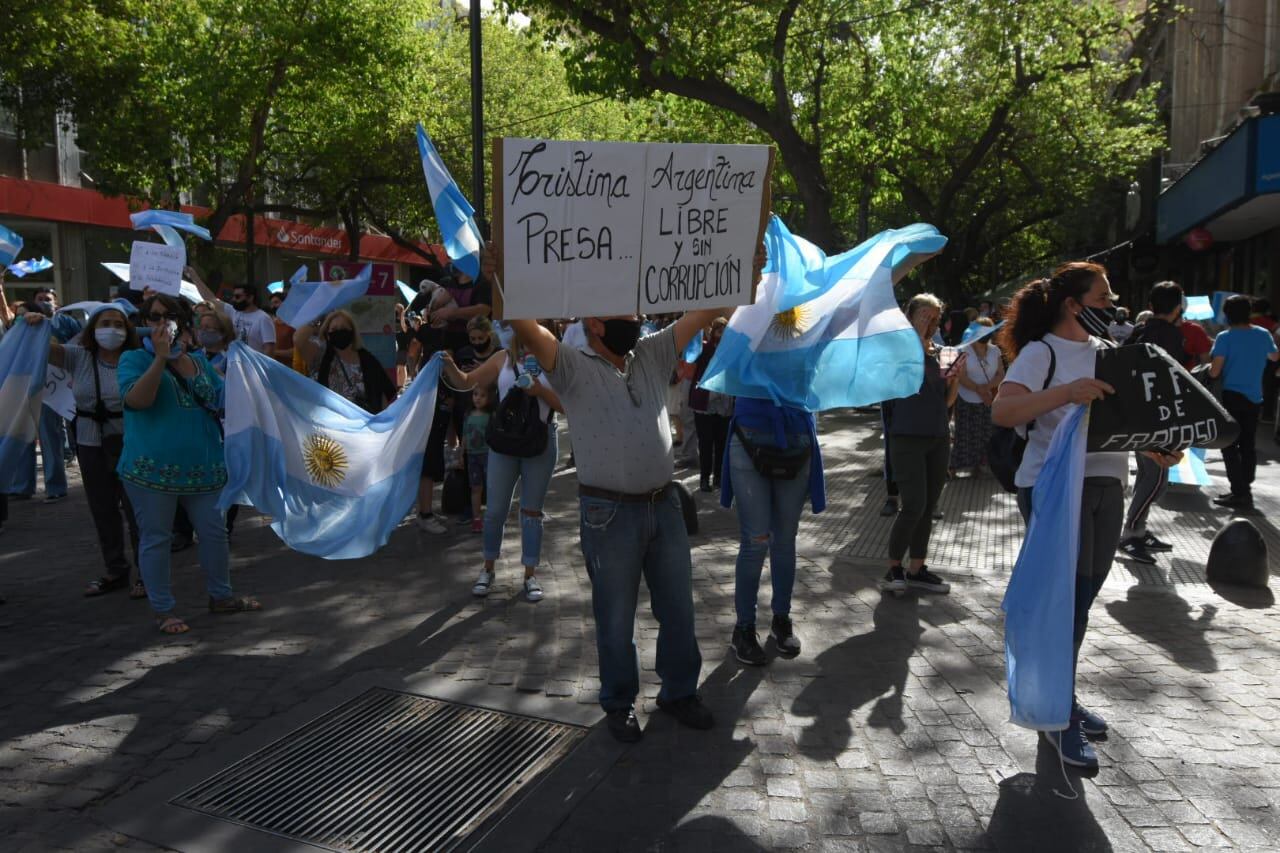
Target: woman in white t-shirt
[
  {"x": 979, "y": 380},
  {"x": 1053, "y": 367}
]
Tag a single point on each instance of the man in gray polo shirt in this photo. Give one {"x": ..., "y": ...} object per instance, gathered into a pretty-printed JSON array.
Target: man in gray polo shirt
[{"x": 615, "y": 396}]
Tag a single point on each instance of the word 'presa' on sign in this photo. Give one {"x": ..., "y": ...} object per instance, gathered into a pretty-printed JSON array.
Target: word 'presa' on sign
[{"x": 558, "y": 245}]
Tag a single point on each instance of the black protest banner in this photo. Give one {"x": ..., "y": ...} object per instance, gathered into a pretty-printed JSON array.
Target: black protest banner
[{"x": 1158, "y": 405}]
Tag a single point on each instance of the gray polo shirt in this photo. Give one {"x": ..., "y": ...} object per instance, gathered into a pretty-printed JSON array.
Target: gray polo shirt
[{"x": 619, "y": 423}]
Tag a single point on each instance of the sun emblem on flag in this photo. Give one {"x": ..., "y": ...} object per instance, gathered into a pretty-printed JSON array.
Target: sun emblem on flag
[
  {"x": 791, "y": 323},
  {"x": 325, "y": 459}
]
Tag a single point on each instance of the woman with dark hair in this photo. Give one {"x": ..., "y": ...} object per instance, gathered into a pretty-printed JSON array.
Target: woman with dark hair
[
  {"x": 1050, "y": 335},
  {"x": 338, "y": 360},
  {"x": 173, "y": 457},
  {"x": 99, "y": 426},
  {"x": 919, "y": 447}
]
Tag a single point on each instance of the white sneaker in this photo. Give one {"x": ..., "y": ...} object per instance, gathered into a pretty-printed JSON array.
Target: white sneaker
[
  {"x": 431, "y": 524},
  {"x": 532, "y": 589},
  {"x": 481, "y": 588}
]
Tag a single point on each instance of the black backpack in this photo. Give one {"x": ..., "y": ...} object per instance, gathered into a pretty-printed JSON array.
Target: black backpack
[
  {"x": 516, "y": 427},
  {"x": 1005, "y": 450}
]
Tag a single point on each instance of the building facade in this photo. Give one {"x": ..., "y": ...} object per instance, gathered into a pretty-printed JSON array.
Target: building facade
[{"x": 48, "y": 198}]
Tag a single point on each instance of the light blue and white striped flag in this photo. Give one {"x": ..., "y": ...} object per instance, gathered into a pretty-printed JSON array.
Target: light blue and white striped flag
[
  {"x": 308, "y": 300},
  {"x": 843, "y": 341},
  {"x": 454, "y": 213},
  {"x": 24, "y": 352},
  {"x": 1190, "y": 470},
  {"x": 164, "y": 223},
  {"x": 10, "y": 245},
  {"x": 22, "y": 269},
  {"x": 1039, "y": 603},
  {"x": 406, "y": 291},
  {"x": 335, "y": 479}
]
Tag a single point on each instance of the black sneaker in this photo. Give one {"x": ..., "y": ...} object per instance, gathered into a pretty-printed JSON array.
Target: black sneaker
[
  {"x": 890, "y": 507},
  {"x": 894, "y": 581},
  {"x": 688, "y": 711},
  {"x": 623, "y": 725},
  {"x": 783, "y": 634},
  {"x": 927, "y": 581},
  {"x": 1151, "y": 543},
  {"x": 1234, "y": 501},
  {"x": 746, "y": 647},
  {"x": 1136, "y": 551}
]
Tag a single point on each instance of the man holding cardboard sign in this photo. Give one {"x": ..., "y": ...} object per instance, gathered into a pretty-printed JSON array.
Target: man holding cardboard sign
[{"x": 615, "y": 395}]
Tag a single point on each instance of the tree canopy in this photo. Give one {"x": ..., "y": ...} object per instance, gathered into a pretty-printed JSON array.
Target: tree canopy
[{"x": 994, "y": 121}]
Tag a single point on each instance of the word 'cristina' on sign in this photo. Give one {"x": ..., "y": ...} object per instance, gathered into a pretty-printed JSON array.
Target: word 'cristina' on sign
[
  {"x": 578, "y": 179},
  {"x": 718, "y": 178},
  {"x": 693, "y": 282}
]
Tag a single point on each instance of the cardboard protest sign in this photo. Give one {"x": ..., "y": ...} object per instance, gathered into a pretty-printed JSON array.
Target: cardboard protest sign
[
  {"x": 1158, "y": 405},
  {"x": 591, "y": 229},
  {"x": 157, "y": 266},
  {"x": 58, "y": 394}
]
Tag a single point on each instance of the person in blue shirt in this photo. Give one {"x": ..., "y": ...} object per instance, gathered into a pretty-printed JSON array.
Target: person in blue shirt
[{"x": 1239, "y": 356}]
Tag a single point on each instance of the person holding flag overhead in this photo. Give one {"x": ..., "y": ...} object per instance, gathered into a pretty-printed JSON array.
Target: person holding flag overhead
[{"x": 1055, "y": 350}]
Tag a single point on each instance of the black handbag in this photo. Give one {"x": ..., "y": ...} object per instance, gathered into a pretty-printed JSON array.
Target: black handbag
[
  {"x": 1006, "y": 447},
  {"x": 516, "y": 428},
  {"x": 776, "y": 463}
]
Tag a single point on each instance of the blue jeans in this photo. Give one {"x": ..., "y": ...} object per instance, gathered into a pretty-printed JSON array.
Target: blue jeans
[
  {"x": 154, "y": 512},
  {"x": 500, "y": 481},
  {"x": 622, "y": 541},
  {"x": 53, "y": 443},
  {"x": 768, "y": 518}
]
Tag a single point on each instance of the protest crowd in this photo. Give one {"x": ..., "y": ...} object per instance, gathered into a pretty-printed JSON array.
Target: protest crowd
[{"x": 164, "y": 453}]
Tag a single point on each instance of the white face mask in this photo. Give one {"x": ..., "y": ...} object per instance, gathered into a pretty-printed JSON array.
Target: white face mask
[{"x": 109, "y": 338}]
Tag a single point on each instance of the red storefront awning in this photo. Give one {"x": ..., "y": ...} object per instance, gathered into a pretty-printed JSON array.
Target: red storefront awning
[{"x": 54, "y": 202}]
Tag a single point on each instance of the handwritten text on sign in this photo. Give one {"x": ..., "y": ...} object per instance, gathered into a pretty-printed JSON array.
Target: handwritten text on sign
[
  {"x": 157, "y": 266},
  {"x": 606, "y": 228},
  {"x": 58, "y": 394}
]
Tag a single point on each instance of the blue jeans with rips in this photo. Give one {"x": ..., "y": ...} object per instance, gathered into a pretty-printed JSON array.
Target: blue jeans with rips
[
  {"x": 768, "y": 517},
  {"x": 535, "y": 477},
  {"x": 622, "y": 541}
]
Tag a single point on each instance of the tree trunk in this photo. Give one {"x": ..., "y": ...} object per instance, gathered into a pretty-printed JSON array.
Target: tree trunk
[{"x": 805, "y": 165}]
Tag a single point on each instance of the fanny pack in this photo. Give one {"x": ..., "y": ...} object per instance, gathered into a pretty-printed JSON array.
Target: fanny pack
[{"x": 776, "y": 463}]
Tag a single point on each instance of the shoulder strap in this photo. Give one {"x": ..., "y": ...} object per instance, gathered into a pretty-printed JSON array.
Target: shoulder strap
[{"x": 1053, "y": 365}]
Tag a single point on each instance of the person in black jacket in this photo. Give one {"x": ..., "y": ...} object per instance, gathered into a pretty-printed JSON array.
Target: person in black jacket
[
  {"x": 336, "y": 360},
  {"x": 1138, "y": 543}
]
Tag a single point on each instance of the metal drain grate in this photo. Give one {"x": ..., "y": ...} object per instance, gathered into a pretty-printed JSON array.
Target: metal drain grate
[{"x": 387, "y": 771}]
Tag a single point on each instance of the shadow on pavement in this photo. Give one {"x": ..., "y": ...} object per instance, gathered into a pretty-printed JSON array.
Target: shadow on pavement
[
  {"x": 1033, "y": 814},
  {"x": 881, "y": 656},
  {"x": 1243, "y": 596},
  {"x": 1167, "y": 622},
  {"x": 642, "y": 802}
]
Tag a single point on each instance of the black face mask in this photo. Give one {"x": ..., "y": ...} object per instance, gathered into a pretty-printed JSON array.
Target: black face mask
[
  {"x": 240, "y": 304},
  {"x": 341, "y": 338},
  {"x": 1097, "y": 321},
  {"x": 620, "y": 336}
]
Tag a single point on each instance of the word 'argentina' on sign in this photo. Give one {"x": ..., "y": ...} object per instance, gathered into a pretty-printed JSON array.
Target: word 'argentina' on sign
[
  {"x": 702, "y": 223},
  {"x": 610, "y": 228}
]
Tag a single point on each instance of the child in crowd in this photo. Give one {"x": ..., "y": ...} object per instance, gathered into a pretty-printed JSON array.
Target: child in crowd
[{"x": 483, "y": 399}]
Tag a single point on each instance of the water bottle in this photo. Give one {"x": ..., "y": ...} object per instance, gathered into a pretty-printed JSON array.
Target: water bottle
[
  {"x": 531, "y": 365},
  {"x": 524, "y": 380}
]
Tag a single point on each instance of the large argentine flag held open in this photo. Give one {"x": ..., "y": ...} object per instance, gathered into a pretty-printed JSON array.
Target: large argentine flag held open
[
  {"x": 1039, "y": 603},
  {"x": 826, "y": 333},
  {"x": 24, "y": 352},
  {"x": 455, "y": 214},
  {"x": 335, "y": 479}
]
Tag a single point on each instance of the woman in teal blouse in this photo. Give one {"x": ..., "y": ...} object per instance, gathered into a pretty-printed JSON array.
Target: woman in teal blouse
[{"x": 173, "y": 456}]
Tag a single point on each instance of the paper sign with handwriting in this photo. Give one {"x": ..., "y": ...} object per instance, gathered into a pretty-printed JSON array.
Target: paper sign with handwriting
[
  {"x": 591, "y": 229},
  {"x": 157, "y": 266}
]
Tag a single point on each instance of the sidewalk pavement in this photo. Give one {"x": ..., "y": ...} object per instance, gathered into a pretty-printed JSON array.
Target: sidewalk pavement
[{"x": 889, "y": 732}]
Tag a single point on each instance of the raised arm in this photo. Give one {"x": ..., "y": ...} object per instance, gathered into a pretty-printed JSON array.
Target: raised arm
[
  {"x": 485, "y": 375},
  {"x": 306, "y": 345},
  {"x": 539, "y": 341},
  {"x": 693, "y": 322},
  {"x": 57, "y": 353},
  {"x": 205, "y": 293},
  {"x": 6, "y": 313}
]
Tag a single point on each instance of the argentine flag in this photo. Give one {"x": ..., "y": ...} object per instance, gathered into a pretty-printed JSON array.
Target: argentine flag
[
  {"x": 455, "y": 214},
  {"x": 1190, "y": 470},
  {"x": 335, "y": 479},
  {"x": 845, "y": 343},
  {"x": 24, "y": 352},
  {"x": 308, "y": 300},
  {"x": 164, "y": 223},
  {"x": 10, "y": 245},
  {"x": 22, "y": 269},
  {"x": 1039, "y": 603}
]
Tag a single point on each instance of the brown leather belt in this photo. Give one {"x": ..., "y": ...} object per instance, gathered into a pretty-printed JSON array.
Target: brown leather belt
[{"x": 624, "y": 497}]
